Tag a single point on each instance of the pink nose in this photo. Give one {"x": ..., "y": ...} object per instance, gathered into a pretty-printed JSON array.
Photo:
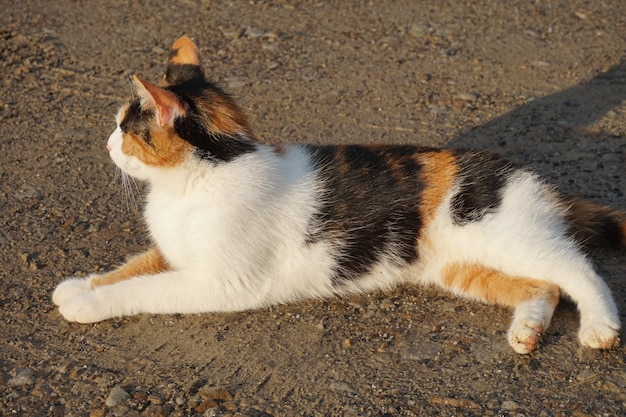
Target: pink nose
[{"x": 108, "y": 147}]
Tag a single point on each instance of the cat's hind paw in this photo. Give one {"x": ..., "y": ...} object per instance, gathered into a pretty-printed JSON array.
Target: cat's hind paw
[
  {"x": 524, "y": 337},
  {"x": 599, "y": 335},
  {"x": 530, "y": 321},
  {"x": 70, "y": 288}
]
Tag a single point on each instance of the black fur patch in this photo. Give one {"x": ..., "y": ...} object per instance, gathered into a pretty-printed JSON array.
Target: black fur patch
[
  {"x": 209, "y": 146},
  {"x": 138, "y": 121},
  {"x": 609, "y": 233},
  {"x": 194, "y": 88},
  {"x": 178, "y": 73},
  {"x": 481, "y": 178},
  {"x": 371, "y": 204},
  {"x": 594, "y": 225}
]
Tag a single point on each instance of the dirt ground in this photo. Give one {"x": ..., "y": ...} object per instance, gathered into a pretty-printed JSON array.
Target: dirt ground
[{"x": 542, "y": 82}]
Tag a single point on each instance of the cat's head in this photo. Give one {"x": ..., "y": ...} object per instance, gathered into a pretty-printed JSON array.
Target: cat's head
[{"x": 186, "y": 117}]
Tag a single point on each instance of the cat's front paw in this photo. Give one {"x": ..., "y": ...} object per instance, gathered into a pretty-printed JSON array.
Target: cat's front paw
[
  {"x": 85, "y": 307},
  {"x": 524, "y": 337},
  {"x": 69, "y": 289},
  {"x": 599, "y": 335}
]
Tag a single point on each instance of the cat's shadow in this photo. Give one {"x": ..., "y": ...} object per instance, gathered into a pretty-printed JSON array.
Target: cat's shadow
[{"x": 558, "y": 121}]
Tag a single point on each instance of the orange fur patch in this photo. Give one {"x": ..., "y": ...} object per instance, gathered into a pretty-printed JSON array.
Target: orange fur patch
[
  {"x": 186, "y": 52},
  {"x": 438, "y": 173},
  {"x": 149, "y": 262},
  {"x": 167, "y": 150},
  {"x": 495, "y": 287},
  {"x": 222, "y": 115}
]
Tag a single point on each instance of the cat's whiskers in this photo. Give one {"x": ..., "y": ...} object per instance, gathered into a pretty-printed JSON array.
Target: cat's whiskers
[
  {"x": 130, "y": 84},
  {"x": 130, "y": 190}
]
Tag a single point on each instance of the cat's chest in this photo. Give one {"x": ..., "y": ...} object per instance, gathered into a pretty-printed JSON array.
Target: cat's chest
[{"x": 182, "y": 226}]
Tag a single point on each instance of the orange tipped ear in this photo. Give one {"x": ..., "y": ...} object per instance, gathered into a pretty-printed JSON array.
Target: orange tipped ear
[
  {"x": 184, "y": 64},
  {"x": 167, "y": 105},
  {"x": 185, "y": 52}
]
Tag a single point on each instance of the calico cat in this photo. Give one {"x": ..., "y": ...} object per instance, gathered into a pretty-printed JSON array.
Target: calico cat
[{"x": 238, "y": 224}]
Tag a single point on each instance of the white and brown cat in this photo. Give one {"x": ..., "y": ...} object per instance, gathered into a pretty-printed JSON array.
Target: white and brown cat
[{"x": 238, "y": 224}]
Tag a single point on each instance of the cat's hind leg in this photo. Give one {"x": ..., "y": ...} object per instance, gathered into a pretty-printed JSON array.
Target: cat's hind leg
[
  {"x": 599, "y": 318},
  {"x": 534, "y": 301},
  {"x": 561, "y": 263}
]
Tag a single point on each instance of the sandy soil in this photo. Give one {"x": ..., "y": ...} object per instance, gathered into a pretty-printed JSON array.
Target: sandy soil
[{"x": 541, "y": 82}]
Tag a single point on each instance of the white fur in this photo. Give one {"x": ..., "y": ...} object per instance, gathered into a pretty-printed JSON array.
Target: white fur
[{"x": 235, "y": 236}]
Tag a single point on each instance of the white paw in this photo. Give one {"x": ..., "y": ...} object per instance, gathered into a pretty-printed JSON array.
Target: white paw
[
  {"x": 85, "y": 307},
  {"x": 69, "y": 289},
  {"x": 600, "y": 334},
  {"x": 530, "y": 321},
  {"x": 525, "y": 336}
]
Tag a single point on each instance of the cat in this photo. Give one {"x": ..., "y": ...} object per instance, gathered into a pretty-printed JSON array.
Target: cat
[{"x": 238, "y": 224}]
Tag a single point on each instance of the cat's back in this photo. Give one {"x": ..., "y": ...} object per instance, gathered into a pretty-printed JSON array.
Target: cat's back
[{"x": 386, "y": 181}]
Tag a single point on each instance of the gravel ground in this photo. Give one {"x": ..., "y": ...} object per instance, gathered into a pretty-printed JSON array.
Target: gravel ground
[{"x": 541, "y": 82}]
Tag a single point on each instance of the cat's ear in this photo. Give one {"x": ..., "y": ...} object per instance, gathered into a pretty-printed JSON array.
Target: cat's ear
[
  {"x": 166, "y": 104},
  {"x": 184, "y": 64}
]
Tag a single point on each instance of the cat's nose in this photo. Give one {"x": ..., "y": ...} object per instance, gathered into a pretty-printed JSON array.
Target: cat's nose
[{"x": 108, "y": 147}]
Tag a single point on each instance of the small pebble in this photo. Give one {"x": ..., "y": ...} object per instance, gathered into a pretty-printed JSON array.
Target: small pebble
[
  {"x": 140, "y": 395},
  {"x": 424, "y": 78},
  {"x": 254, "y": 32},
  {"x": 234, "y": 84},
  {"x": 419, "y": 351},
  {"x": 466, "y": 96},
  {"x": 509, "y": 405},
  {"x": 612, "y": 157},
  {"x": 23, "y": 378},
  {"x": 155, "y": 398},
  {"x": 116, "y": 396},
  {"x": 419, "y": 29},
  {"x": 585, "y": 375},
  {"x": 581, "y": 15},
  {"x": 540, "y": 64},
  {"x": 340, "y": 386},
  {"x": 215, "y": 393},
  {"x": 437, "y": 109}
]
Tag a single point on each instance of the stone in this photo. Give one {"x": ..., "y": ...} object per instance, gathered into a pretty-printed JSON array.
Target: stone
[
  {"x": 116, "y": 396},
  {"x": 23, "y": 378},
  {"x": 419, "y": 351},
  {"x": 466, "y": 97},
  {"x": 509, "y": 405},
  {"x": 340, "y": 386}
]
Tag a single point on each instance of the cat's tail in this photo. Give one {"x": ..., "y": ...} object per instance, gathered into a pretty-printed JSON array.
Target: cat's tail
[{"x": 595, "y": 225}]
